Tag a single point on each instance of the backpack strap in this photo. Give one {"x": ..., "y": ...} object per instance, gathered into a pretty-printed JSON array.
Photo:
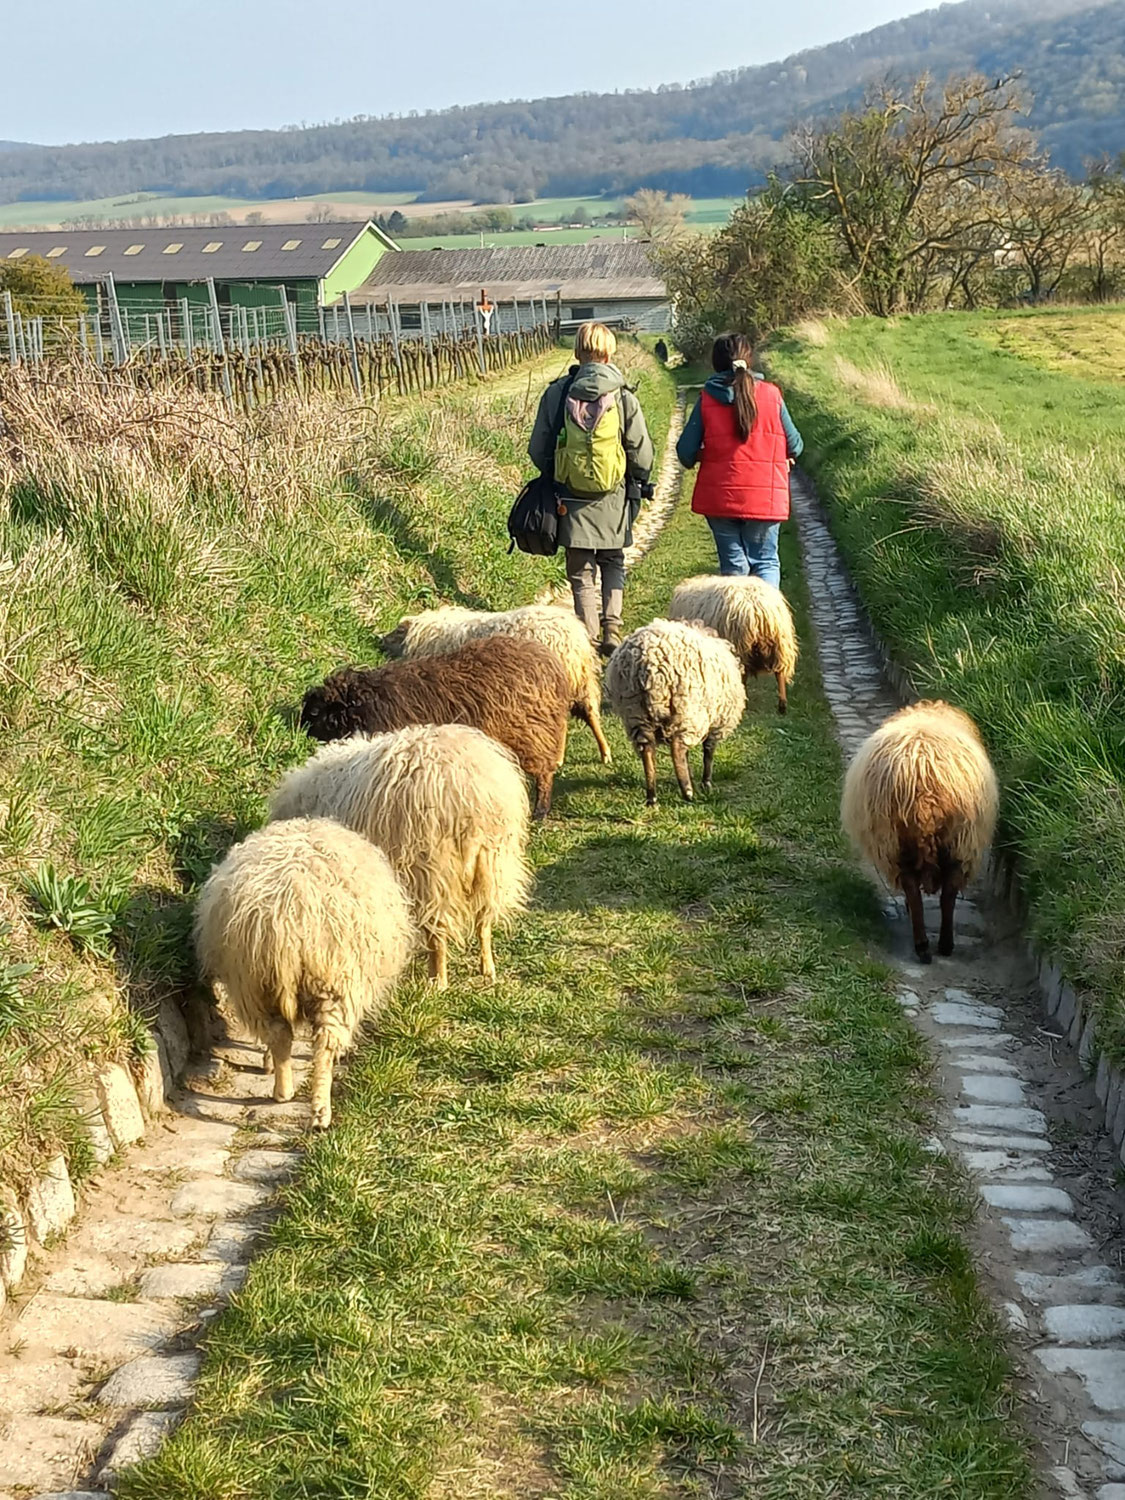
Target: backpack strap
[{"x": 560, "y": 419}]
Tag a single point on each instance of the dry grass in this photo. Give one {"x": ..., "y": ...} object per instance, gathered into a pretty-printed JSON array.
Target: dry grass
[{"x": 875, "y": 384}]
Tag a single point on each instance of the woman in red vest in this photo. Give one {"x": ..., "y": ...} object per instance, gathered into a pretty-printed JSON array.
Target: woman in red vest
[{"x": 744, "y": 441}]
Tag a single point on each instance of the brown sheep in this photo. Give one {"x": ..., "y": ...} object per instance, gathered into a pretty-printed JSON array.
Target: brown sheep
[{"x": 514, "y": 690}]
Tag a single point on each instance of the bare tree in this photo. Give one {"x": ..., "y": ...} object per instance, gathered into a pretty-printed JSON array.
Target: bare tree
[
  {"x": 659, "y": 216},
  {"x": 1043, "y": 215},
  {"x": 320, "y": 213}
]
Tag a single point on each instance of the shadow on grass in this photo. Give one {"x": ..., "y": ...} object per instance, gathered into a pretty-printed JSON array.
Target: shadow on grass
[{"x": 387, "y": 515}]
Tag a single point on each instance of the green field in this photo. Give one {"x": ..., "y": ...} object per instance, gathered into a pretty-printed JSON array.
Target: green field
[{"x": 973, "y": 468}]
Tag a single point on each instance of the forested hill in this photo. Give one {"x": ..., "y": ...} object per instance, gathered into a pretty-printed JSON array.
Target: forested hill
[{"x": 707, "y": 138}]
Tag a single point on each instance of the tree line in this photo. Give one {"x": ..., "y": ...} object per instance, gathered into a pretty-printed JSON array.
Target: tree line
[{"x": 922, "y": 196}]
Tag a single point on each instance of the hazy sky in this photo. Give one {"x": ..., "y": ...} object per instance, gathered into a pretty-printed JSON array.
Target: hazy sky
[{"x": 157, "y": 67}]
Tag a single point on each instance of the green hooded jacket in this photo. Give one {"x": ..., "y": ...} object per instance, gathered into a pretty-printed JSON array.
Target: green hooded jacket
[{"x": 599, "y": 522}]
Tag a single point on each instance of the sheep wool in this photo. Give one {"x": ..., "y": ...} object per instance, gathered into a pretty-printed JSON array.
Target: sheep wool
[
  {"x": 921, "y": 801},
  {"x": 448, "y": 806},
  {"x": 677, "y": 684},
  {"x": 303, "y": 922},
  {"x": 436, "y": 632},
  {"x": 753, "y": 616}
]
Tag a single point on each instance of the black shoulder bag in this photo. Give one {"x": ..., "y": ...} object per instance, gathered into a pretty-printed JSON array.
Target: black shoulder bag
[{"x": 533, "y": 521}]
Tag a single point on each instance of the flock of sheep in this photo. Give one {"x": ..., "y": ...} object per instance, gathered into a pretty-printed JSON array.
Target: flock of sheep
[{"x": 411, "y": 824}]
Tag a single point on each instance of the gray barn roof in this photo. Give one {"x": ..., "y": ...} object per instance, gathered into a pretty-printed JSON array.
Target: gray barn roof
[
  {"x": 229, "y": 252},
  {"x": 600, "y": 269}
]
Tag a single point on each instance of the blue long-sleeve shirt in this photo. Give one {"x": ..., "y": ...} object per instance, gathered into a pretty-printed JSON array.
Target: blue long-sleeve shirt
[{"x": 690, "y": 443}]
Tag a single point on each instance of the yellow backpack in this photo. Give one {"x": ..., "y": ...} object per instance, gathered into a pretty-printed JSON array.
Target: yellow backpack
[{"x": 590, "y": 453}]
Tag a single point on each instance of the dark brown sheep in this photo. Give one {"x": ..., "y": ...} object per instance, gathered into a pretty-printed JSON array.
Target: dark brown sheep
[{"x": 514, "y": 690}]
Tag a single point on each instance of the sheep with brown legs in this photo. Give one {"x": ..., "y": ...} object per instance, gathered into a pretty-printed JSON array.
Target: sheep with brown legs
[
  {"x": 437, "y": 632},
  {"x": 678, "y": 685},
  {"x": 920, "y": 801},
  {"x": 753, "y": 616},
  {"x": 514, "y": 691},
  {"x": 303, "y": 922},
  {"x": 448, "y": 806}
]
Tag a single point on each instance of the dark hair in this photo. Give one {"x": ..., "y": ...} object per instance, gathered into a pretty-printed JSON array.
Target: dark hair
[{"x": 726, "y": 349}]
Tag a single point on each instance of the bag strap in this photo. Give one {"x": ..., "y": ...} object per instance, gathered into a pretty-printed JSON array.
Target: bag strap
[{"x": 560, "y": 416}]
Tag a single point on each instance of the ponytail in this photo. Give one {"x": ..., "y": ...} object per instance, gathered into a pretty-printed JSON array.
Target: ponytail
[{"x": 733, "y": 352}]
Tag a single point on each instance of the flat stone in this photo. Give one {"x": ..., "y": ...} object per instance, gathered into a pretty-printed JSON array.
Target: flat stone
[
  {"x": 1090, "y": 1284},
  {"x": 997, "y": 1039},
  {"x": 1017, "y": 1318},
  {"x": 217, "y": 1198},
  {"x": 231, "y": 1243},
  {"x": 1111, "y": 1492},
  {"x": 155, "y": 1380},
  {"x": 1109, "y": 1437},
  {"x": 1001, "y": 1117},
  {"x": 1067, "y": 1481},
  {"x": 112, "y": 1330},
  {"x": 1001, "y": 1142},
  {"x": 1048, "y": 1236},
  {"x": 1027, "y": 1200},
  {"x": 13, "y": 1240},
  {"x": 88, "y": 1274},
  {"x": 93, "y": 1123},
  {"x": 150, "y": 1082},
  {"x": 989, "y": 1088},
  {"x": 1004, "y": 1164},
  {"x": 982, "y": 1063},
  {"x": 140, "y": 1440},
  {"x": 1101, "y": 1080},
  {"x": 141, "y": 1236},
  {"x": 50, "y": 1202},
  {"x": 121, "y": 1108},
  {"x": 1084, "y": 1323},
  {"x": 1102, "y": 1372},
  {"x": 908, "y": 998},
  {"x": 172, "y": 1029},
  {"x": 912, "y": 971},
  {"x": 40, "y": 1453},
  {"x": 266, "y": 1166},
  {"x": 204, "y": 1107},
  {"x": 189, "y": 1279},
  {"x": 947, "y": 1014}
]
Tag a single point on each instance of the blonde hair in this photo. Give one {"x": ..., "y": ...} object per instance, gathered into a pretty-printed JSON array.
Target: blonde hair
[{"x": 594, "y": 343}]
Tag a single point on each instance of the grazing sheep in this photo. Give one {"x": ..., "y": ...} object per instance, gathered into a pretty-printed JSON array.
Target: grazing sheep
[
  {"x": 677, "y": 684},
  {"x": 515, "y": 691},
  {"x": 439, "y": 631},
  {"x": 753, "y": 616},
  {"x": 920, "y": 801},
  {"x": 303, "y": 921},
  {"x": 447, "y": 805}
]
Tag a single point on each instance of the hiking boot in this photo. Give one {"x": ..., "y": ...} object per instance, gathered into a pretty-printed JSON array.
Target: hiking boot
[{"x": 611, "y": 639}]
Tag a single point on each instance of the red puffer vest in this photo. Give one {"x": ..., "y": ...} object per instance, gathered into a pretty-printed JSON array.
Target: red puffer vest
[{"x": 747, "y": 481}]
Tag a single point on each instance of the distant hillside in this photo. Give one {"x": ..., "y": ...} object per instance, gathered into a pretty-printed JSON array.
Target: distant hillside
[
  {"x": 707, "y": 138},
  {"x": 16, "y": 146}
]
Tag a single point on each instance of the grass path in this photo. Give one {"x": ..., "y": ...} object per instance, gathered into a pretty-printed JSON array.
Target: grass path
[{"x": 651, "y": 1218}]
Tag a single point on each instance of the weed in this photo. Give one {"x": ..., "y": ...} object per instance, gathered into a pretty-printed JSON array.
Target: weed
[{"x": 70, "y": 904}]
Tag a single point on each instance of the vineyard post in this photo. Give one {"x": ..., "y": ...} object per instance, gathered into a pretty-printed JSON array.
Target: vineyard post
[
  {"x": 220, "y": 343},
  {"x": 10, "y": 324},
  {"x": 118, "y": 331},
  {"x": 289, "y": 323},
  {"x": 356, "y": 381},
  {"x": 185, "y": 325}
]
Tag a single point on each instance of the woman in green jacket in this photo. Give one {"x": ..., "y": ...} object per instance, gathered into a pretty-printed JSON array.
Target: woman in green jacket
[{"x": 595, "y": 528}]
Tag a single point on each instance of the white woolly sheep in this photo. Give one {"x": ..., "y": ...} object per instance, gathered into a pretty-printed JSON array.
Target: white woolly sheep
[
  {"x": 753, "y": 616},
  {"x": 304, "y": 921},
  {"x": 437, "y": 632},
  {"x": 920, "y": 801},
  {"x": 449, "y": 808},
  {"x": 680, "y": 685}
]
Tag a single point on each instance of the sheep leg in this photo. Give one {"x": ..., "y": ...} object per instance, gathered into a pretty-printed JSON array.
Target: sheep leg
[
  {"x": 487, "y": 962},
  {"x": 913, "y": 893},
  {"x": 782, "y": 700},
  {"x": 683, "y": 770},
  {"x": 648, "y": 760},
  {"x": 543, "y": 785},
  {"x": 280, "y": 1050},
  {"x": 320, "y": 1084},
  {"x": 708, "y": 761},
  {"x": 590, "y": 714},
  {"x": 439, "y": 962},
  {"x": 950, "y": 889}
]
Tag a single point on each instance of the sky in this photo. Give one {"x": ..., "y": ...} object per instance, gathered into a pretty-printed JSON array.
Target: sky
[{"x": 138, "y": 68}]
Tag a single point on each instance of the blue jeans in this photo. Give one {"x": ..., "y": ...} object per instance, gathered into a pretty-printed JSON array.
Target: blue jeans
[{"x": 747, "y": 547}]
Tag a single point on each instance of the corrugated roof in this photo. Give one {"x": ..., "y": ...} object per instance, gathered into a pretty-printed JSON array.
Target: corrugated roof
[
  {"x": 602, "y": 268},
  {"x": 229, "y": 252}
]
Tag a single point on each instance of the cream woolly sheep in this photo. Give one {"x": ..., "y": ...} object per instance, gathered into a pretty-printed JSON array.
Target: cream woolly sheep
[
  {"x": 680, "y": 685},
  {"x": 920, "y": 801},
  {"x": 303, "y": 921},
  {"x": 449, "y": 807},
  {"x": 436, "y": 632},
  {"x": 752, "y": 615}
]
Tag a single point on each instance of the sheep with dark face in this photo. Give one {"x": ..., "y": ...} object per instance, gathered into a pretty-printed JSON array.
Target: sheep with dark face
[
  {"x": 448, "y": 806},
  {"x": 920, "y": 801},
  {"x": 514, "y": 691},
  {"x": 303, "y": 922},
  {"x": 676, "y": 684}
]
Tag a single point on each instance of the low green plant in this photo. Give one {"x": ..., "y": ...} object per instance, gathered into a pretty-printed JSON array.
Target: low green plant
[{"x": 70, "y": 904}]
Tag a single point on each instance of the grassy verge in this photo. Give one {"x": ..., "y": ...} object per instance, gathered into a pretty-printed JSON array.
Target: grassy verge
[
  {"x": 172, "y": 579},
  {"x": 651, "y": 1218},
  {"x": 972, "y": 466}
]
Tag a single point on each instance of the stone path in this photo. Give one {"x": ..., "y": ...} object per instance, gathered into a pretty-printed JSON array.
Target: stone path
[
  {"x": 98, "y": 1357},
  {"x": 1019, "y": 1111}
]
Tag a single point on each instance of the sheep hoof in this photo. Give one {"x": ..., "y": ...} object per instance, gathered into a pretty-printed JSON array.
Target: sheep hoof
[
  {"x": 945, "y": 948},
  {"x": 783, "y": 708},
  {"x": 924, "y": 955},
  {"x": 707, "y": 786},
  {"x": 281, "y": 1093},
  {"x": 321, "y": 1116},
  {"x": 650, "y": 802}
]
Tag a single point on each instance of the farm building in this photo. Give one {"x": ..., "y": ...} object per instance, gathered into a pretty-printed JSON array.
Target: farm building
[
  {"x": 315, "y": 263},
  {"x": 611, "y": 282}
]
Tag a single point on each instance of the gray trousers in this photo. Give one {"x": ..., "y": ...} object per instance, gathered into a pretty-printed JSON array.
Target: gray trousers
[{"x": 583, "y": 564}]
